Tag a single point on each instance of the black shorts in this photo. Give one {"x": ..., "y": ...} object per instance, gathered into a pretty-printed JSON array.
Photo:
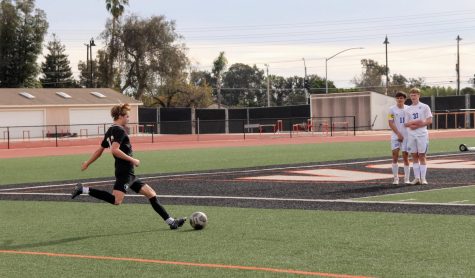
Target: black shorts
[{"x": 128, "y": 181}]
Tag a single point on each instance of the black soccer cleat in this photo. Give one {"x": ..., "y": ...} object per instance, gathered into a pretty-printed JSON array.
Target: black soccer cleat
[
  {"x": 177, "y": 223},
  {"x": 77, "y": 191}
]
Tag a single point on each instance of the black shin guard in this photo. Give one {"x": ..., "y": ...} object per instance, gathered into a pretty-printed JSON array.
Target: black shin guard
[
  {"x": 159, "y": 208},
  {"x": 102, "y": 195}
]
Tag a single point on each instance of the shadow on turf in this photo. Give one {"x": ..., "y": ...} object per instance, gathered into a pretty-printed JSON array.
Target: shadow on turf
[
  {"x": 7, "y": 244},
  {"x": 370, "y": 190}
]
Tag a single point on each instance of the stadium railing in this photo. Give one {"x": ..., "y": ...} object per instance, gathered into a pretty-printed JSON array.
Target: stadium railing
[{"x": 197, "y": 130}]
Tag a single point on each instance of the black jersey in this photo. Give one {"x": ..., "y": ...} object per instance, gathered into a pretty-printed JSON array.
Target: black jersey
[{"x": 117, "y": 133}]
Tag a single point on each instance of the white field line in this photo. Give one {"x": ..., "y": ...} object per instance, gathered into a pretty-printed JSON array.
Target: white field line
[
  {"x": 262, "y": 199},
  {"x": 459, "y": 202},
  {"x": 224, "y": 172}
]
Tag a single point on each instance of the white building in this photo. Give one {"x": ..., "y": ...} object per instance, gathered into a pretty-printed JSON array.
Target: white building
[
  {"x": 37, "y": 113},
  {"x": 370, "y": 109}
]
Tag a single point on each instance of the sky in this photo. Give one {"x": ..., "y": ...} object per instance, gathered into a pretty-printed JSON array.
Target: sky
[{"x": 291, "y": 35}]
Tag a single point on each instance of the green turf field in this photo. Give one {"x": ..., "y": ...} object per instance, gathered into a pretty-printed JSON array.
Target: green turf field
[
  {"x": 353, "y": 243},
  {"x": 368, "y": 244},
  {"x": 459, "y": 195},
  {"x": 57, "y": 168}
]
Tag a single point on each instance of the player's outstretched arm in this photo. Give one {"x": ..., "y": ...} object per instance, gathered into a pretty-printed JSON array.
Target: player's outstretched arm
[{"x": 93, "y": 158}]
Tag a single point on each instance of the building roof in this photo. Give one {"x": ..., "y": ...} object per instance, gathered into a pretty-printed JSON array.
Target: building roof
[{"x": 27, "y": 97}]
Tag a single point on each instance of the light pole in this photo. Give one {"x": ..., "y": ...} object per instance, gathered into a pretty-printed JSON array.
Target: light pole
[
  {"x": 91, "y": 44},
  {"x": 268, "y": 86},
  {"x": 326, "y": 65},
  {"x": 457, "y": 66},
  {"x": 87, "y": 65},
  {"x": 89, "y": 61},
  {"x": 307, "y": 93},
  {"x": 386, "y": 42}
]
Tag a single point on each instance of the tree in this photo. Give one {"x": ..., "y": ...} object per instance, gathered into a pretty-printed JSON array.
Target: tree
[
  {"x": 370, "y": 79},
  {"x": 152, "y": 56},
  {"x": 399, "y": 83},
  {"x": 416, "y": 82},
  {"x": 100, "y": 69},
  {"x": 9, "y": 22},
  {"x": 219, "y": 66},
  {"x": 84, "y": 74},
  {"x": 200, "y": 78},
  {"x": 98, "y": 80},
  {"x": 244, "y": 86},
  {"x": 179, "y": 93},
  {"x": 116, "y": 9},
  {"x": 317, "y": 84},
  {"x": 279, "y": 89},
  {"x": 56, "y": 70},
  {"x": 472, "y": 81},
  {"x": 296, "y": 94},
  {"x": 22, "y": 30},
  {"x": 437, "y": 91},
  {"x": 467, "y": 91}
]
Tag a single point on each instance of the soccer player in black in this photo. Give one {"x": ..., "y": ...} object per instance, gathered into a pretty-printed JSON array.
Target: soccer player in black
[{"x": 117, "y": 140}]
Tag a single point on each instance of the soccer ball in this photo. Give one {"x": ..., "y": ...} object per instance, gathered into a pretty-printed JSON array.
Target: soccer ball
[{"x": 198, "y": 220}]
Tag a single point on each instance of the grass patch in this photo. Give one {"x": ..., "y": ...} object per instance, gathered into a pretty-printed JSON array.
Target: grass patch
[
  {"x": 58, "y": 168},
  {"x": 462, "y": 195},
  {"x": 357, "y": 243}
]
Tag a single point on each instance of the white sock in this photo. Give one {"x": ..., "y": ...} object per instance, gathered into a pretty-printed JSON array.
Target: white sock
[
  {"x": 423, "y": 171},
  {"x": 395, "y": 170},
  {"x": 170, "y": 220},
  {"x": 417, "y": 170},
  {"x": 407, "y": 172},
  {"x": 85, "y": 190}
]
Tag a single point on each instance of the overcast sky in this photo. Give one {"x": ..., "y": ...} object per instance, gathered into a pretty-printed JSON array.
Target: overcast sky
[{"x": 281, "y": 33}]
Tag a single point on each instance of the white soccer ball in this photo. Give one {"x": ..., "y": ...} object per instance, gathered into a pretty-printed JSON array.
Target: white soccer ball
[{"x": 198, "y": 220}]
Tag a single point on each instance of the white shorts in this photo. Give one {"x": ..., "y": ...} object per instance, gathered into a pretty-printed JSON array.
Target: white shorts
[
  {"x": 417, "y": 144},
  {"x": 402, "y": 146}
]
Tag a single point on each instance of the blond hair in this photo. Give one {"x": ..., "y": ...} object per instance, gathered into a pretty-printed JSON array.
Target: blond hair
[
  {"x": 415, "y": 91},
  {"x": 120, "y": 110}
]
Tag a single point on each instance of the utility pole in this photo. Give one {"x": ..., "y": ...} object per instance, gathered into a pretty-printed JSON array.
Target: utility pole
[
  {"x": 87, "y": 66},
  {"x": 89, "y": 69},
  {"x": 91, "y": 44},
  {"x": 268, "y": 86},
  {"x": 457, "y": 66},
  {"x": 386, "y": 42},
  {"x": 307, "y": 93}
]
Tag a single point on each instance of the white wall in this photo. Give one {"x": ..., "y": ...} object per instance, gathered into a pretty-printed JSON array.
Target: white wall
[
  {"x": 89, "y": 120},
  {"x": 23, "y": 123},
  {"x": 379, "y": 110}
]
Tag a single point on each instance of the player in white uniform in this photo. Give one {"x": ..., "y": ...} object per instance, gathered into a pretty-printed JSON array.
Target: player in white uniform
[
  {"x": 417, "y": 117},
  {"x": 396, "y": 119}
]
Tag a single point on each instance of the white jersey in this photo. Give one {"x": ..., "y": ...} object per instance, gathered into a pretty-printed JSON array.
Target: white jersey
[
  {"x": 420, "y": 111},
  {"x": 397, "y": 115}
]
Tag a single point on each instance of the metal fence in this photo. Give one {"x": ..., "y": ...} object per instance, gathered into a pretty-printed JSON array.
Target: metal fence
[
  {"x": 198, "y": 130},
  {"x": 446, "y": 120}
]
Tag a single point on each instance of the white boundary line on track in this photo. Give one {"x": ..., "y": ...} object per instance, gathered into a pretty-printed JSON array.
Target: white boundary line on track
[{"x": 350, "y": 201}]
